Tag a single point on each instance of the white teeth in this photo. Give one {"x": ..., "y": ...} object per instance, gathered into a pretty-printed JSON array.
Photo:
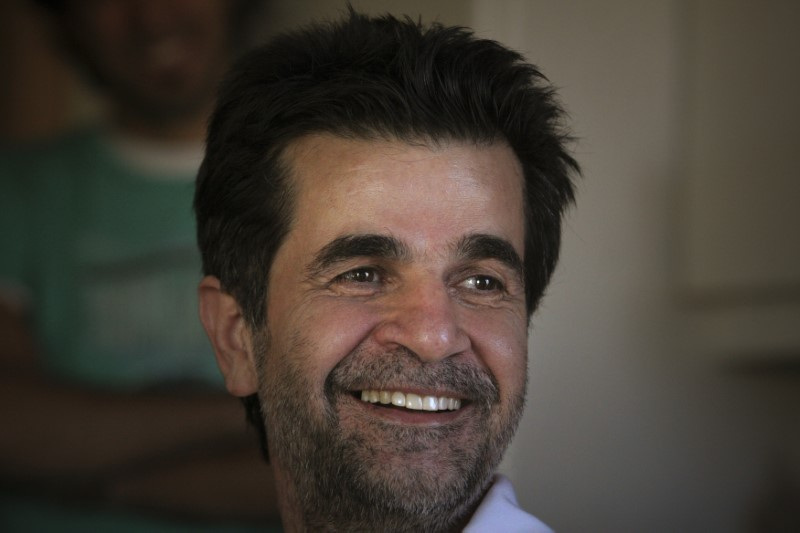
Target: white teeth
[
  {"x": 411, "y": 401},
  {"x": 430, "y": 403},
  {"x": 398, "y": 399}
]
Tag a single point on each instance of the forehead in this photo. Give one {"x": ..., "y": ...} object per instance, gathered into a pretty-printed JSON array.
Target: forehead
[{"x": 425, "y": 196}]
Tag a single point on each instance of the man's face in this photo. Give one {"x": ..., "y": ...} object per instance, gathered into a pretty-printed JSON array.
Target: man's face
[
  {"x": 400, "y": 282},
  {"x": 159, "y": 57}
]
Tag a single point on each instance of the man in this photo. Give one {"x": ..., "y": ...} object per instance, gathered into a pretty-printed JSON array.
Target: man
[
  {"x": 115, "y": 417},
  {"x": 379, "y": 213}
]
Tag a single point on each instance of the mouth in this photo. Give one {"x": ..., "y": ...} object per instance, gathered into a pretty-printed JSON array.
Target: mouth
[{"x": 409, "y": 400}]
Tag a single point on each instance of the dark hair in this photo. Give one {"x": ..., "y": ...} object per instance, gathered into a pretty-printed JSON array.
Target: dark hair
[{"x": 369, "y": 78}]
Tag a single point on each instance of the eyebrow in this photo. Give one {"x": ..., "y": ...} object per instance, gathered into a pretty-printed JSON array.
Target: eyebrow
[
  {"x": 472, "y": 247},
  {"x": 361, "y": 245},
  {"x": 482, "y": 246}
]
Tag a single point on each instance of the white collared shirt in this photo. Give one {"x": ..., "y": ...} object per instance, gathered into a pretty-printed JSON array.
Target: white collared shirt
[{"x": 499, "y": 511}]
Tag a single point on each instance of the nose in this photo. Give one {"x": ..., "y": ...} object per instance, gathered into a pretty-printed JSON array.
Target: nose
[{"x": 424, "y": 318}]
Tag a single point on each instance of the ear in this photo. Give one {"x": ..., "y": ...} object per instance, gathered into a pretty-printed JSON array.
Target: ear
[{"x": 227, "y": 330}]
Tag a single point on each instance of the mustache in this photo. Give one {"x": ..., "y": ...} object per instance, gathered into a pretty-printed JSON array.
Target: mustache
[{"x": 401, "y": 368}]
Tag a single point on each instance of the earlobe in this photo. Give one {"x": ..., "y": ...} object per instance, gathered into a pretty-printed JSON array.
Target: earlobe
[{"x": 227, "y": 330}]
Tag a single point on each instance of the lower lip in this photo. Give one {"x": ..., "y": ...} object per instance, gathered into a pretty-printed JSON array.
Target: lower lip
[{"x": 401, "y": 415}]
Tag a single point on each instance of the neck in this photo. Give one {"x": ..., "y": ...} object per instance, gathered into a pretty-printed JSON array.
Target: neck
[{"x": 327, "y": 515}]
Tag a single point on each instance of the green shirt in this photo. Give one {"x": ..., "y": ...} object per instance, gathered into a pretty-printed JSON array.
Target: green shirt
[{"x": 107, "y": 257}]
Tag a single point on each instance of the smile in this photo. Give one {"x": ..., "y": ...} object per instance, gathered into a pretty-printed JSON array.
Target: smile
[{"x": 411, "y": 401}]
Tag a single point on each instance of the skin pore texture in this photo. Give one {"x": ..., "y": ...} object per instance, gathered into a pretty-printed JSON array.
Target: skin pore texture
[{"x": 401, "y": 275}]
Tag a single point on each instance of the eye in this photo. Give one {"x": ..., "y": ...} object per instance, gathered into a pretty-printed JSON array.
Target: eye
[
  {"x": 365, "y": 275},
  {"x": 483, "y": 283}
]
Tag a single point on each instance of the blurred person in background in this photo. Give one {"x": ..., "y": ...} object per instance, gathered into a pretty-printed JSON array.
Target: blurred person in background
[{"x": 112, "y": 408}]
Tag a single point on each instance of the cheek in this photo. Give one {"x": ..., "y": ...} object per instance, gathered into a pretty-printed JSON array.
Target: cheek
[
  {"x": 324, "y": 331},
  {"x": 501, "y": 344}
]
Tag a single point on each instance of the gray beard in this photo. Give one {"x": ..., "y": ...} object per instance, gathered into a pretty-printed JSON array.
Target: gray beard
[{"x": 344, "y": 480}]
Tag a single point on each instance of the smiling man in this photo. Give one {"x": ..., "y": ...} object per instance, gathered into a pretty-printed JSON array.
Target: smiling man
[{"x": 379, "y": 213}]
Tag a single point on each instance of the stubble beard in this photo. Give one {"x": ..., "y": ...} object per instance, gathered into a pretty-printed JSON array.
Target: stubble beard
[{"x": 358, "y": 473}]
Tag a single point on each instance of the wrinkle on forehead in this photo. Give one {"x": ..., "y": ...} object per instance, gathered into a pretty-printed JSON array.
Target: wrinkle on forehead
[
  {"x": 362, "y": 151},
  {"x": 424, "y": 196}
]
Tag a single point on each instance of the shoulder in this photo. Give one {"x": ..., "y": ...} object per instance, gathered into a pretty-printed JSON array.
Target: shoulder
[
  {"x": 22, "y": 162},
  {"x": 499, "y": 511},
  {"x": 66, "y": 142},
  {"x": 39, "y": 182}
]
